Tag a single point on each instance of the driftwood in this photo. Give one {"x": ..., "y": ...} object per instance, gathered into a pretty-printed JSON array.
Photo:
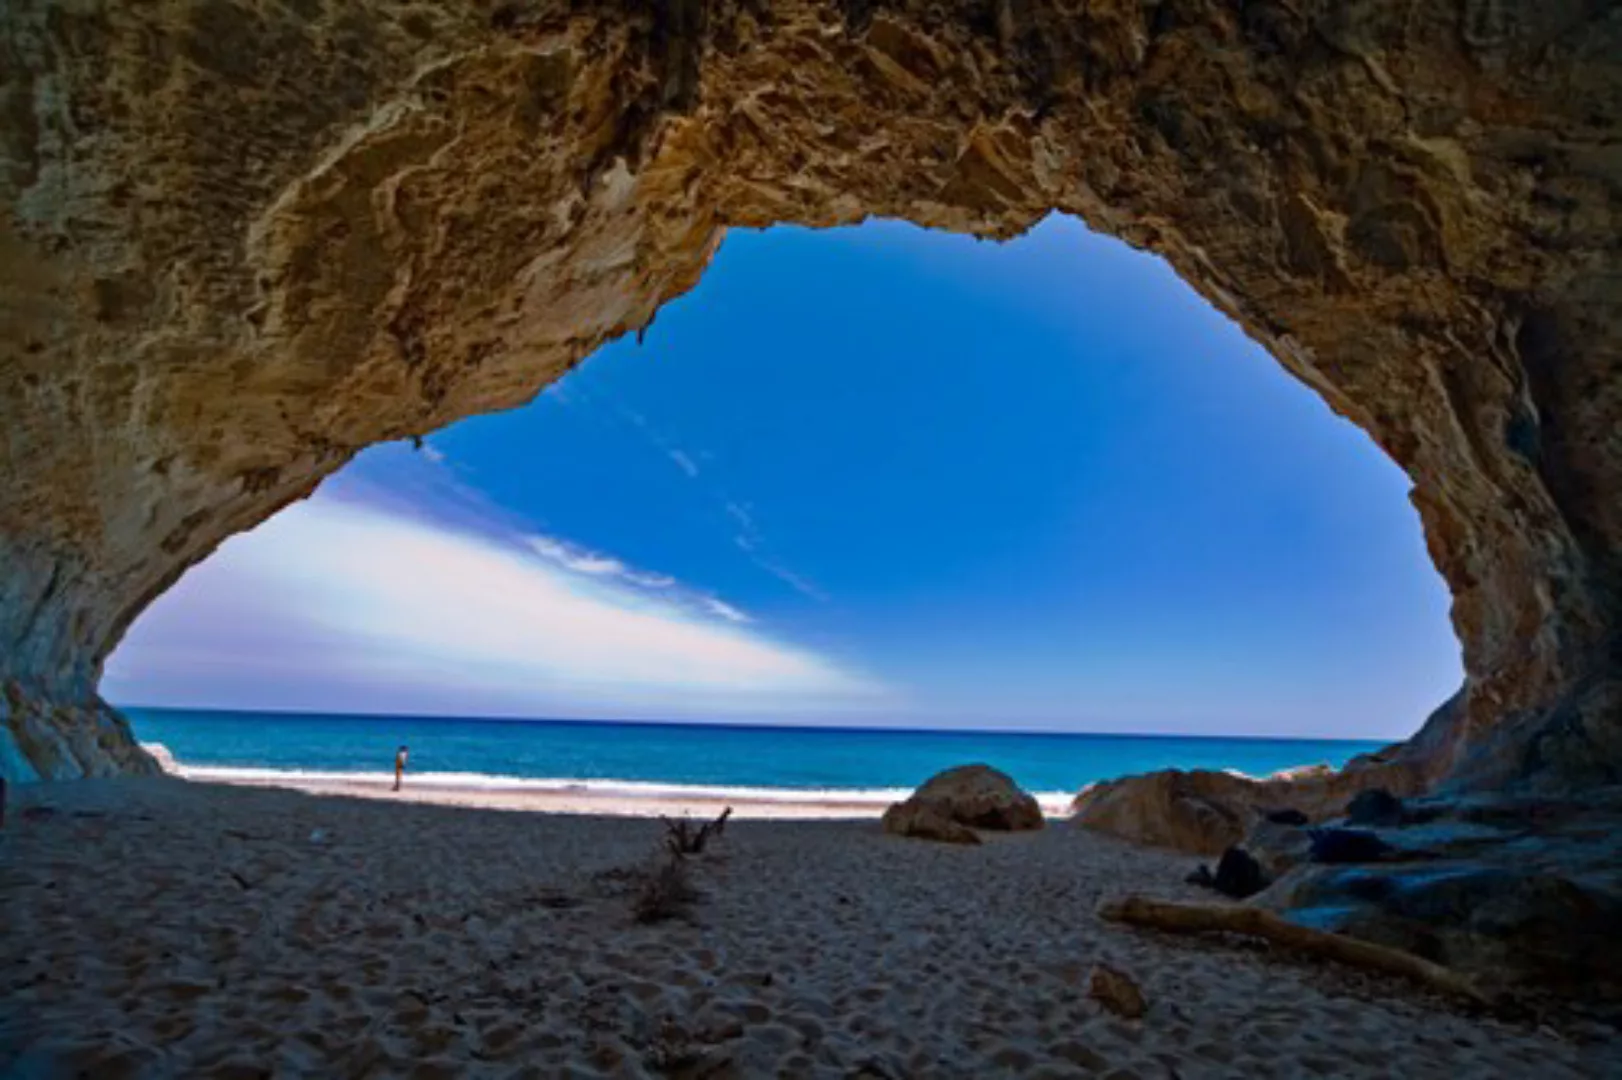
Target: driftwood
[
  {"x": 682, "y": 839},
  {"x": 665, "y": 891},
  {"x": 1254, "y": 922}
]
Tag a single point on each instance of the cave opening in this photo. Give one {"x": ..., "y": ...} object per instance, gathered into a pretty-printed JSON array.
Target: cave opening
[
  {"x": 871, "y": 476},
  {"x": 469, "y": 206}
]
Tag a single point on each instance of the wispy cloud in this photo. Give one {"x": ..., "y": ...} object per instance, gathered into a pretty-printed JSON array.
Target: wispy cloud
[
  {"x": 748, "y": 537},
  {"x": 683, "y": 462},
  {"x": 582, "y": 560},
  {"x": 413, "y": 611},
  {"x": 652, "y": 436},
  {"x": 802, "y": 585},
  {"x": 750, "y": 541},
  {"x": 745, "y": 521},
  {"x": 726, "y": 610},
  {"x": 578, "y": 559}
]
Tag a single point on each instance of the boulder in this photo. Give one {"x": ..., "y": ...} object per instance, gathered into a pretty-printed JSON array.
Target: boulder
[
  {"x": 1204, "y": 812},
  {"x": 1376, "y": 806},
  {"x": 1238, "y": 875},
  {"x": 1517, "y": 890},
  {"x": 926, "y": 821},
  {"x": 1512, "y": 926},
  {"x": 960, "y": 800},
  {"x": 1348, "y": 846},
  {"x": 1278, "y": 847}
]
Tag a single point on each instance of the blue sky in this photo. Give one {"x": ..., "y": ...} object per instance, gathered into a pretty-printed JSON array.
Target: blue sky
[{"x": 873, "y": 475}]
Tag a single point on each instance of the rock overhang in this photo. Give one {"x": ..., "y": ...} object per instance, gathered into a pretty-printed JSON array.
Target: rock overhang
[{"x": 242, "y": 242}]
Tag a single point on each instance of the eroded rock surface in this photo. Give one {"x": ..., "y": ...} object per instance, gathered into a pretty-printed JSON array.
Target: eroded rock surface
[
  {"x": 926, "y": 821},
  {"x": 42, "y": 740},
  {"x": 952, "y": 804},
  {"x": 1205, "y": 812},
  {"x": 1520, "y": 891},
  {"x": 240, "y": 241}
]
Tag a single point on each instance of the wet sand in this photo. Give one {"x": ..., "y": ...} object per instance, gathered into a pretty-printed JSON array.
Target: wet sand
[
  {"x": 164, "y": 928},
  {"x": 586, "y": 798},
  {"x": 615, "y": 803}
]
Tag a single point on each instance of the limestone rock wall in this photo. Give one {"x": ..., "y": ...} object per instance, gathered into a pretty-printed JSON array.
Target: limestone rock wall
[
  {"x": 242, "y": 239},
  {"x": 44, "y": 740}
]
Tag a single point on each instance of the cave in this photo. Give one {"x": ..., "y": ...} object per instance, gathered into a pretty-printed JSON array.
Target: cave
[{"x": 243, "y": 242}]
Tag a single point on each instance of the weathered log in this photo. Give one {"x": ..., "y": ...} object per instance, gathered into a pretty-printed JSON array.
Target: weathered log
[{"x": 1254, "y": 922}]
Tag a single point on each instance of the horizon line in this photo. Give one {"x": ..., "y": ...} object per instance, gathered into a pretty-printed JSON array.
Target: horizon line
[{"x": 751, "y": 725}]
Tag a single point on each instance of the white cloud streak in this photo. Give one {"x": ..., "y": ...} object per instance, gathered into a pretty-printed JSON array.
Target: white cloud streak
[
  {"x": 578, "y": 559},
  {"x": 581, "y": 560},
  {"x": 408, "y": 602},
  {"x": 802, "y": 585},
  {"x": 726, "y": 610},
  {"x": 748, "y": 539},
  {"x": 683, "y": 462}
]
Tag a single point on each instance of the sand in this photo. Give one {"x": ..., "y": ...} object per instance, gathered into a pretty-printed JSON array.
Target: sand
[
  {"x": 609, "y": 800},
  {"x": 172, "y": 928},
  {"x": 617, "y": 798}
]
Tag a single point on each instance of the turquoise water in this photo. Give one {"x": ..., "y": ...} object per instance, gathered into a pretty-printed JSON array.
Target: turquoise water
[{"x": 694, "y": 755}]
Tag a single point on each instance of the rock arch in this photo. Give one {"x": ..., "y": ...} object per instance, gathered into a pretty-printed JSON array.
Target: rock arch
[{"x": 243, "y": 239}]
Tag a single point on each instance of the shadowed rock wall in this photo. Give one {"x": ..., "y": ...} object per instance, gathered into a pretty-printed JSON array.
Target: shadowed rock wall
[{"x": 239, "y": 241}]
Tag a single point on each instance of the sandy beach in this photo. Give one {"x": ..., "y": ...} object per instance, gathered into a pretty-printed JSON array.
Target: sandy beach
[
  {"x": 162, "y": 928},
  {"x": 614, "y": 798}
]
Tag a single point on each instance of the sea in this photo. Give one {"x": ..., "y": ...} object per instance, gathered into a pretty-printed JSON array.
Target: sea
[{"x": 645, "y": 758}]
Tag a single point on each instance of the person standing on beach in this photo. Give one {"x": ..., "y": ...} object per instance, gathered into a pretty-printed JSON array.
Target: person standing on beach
[{"x": 399, "y": 765}]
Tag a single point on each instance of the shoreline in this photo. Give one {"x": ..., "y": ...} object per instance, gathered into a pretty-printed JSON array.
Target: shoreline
[{"x": 600, "y": 797}]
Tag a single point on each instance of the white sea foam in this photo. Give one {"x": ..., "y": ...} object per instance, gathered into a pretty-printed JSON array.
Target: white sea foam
[{"x": 1051, "y": 801}]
